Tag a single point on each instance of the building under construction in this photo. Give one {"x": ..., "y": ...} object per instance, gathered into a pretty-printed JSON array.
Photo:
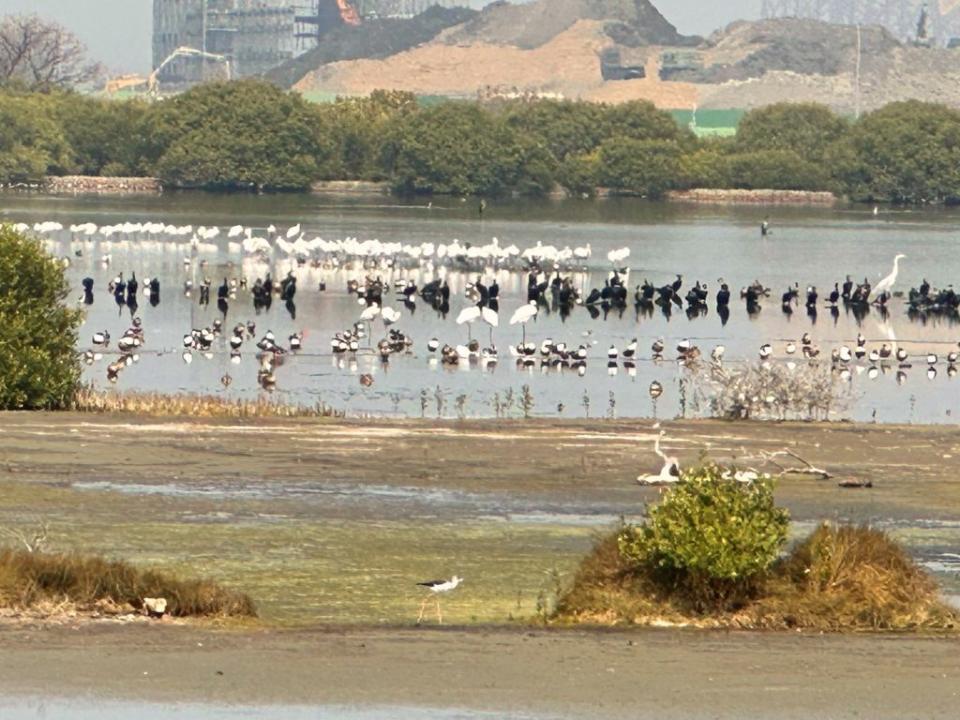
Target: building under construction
[
  {"x": 916, "y": 21},
  {"x": 251, "y": 37}
]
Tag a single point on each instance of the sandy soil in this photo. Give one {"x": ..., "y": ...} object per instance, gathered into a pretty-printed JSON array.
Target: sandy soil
[
  {"x": 655, "y": 674},
  {"x": 568, "y": 63}
]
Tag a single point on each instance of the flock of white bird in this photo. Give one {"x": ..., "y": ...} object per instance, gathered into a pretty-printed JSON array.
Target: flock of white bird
[{"x": 296, "y": 244}]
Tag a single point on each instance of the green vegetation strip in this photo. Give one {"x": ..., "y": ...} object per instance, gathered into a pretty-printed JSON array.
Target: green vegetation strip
[{"x": 250, "y": 135}]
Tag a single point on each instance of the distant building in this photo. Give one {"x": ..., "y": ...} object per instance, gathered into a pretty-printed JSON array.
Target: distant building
[
  {"x": 257, "y": 35},
  {"x": 254, "y": 35}
]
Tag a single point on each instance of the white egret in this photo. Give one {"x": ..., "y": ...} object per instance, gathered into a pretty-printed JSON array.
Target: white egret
[{"x": 887, "y": 283}]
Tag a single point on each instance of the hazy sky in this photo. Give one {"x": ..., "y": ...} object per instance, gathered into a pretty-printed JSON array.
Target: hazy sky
[{"x": 117, "y": 32}]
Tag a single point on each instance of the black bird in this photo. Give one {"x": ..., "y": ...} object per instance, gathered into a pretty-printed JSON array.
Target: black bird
[
  {"x": 723, "y": 295},
  {"x": 811, "y": 296},
  {"x": 835, "y": 294}
]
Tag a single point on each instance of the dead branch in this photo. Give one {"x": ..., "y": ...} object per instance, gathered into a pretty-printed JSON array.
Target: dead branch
[{"x": 33, "y": 541}]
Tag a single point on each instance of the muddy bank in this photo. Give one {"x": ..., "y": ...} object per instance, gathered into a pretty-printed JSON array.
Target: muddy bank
[{"x": 648, "y": 674}]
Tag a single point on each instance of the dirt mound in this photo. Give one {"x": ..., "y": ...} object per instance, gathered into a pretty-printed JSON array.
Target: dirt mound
[
  {"x": 633, "y": 22},
  {"x": 748, "y": 50},
  {"x": 568, "y": 64},
  {"x": 378, "y": 38}
]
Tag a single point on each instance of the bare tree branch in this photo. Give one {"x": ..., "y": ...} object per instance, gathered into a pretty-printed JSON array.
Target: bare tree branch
[{"x": 42, "y": 54}]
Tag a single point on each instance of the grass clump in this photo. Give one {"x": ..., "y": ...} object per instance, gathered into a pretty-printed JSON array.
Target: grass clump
[
  {"x": 31, "y": 580},
  {"x": 847, "y": 577},
  {"x": 191, "y": 405},
  {"x": 710, "y": 554}
]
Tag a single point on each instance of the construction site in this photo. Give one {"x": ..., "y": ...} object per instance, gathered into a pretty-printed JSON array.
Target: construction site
[
  {"x": 852, "y": 55},
  {"x": 196, "y": 40}
]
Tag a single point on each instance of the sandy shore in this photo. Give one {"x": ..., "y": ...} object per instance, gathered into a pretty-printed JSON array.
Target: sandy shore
[{"x": 647, "y": 674}]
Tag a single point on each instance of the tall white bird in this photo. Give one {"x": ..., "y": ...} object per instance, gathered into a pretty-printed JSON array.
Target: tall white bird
[
  {"x": 371, "y": 312},
  {"x": 523, "y": 314},
  {"x": 887, "y": 283},
  {"x": 437, "y": 588}
]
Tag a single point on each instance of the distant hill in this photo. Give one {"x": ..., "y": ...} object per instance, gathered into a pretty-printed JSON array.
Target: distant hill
[{"x": 528, "y": 26}]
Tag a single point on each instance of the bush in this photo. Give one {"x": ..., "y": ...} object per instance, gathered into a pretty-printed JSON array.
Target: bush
[
  {"x": 852, "y": 578},
  {"x": 28, "y": 580},
  {"x": 711, "y": 541},
  {"x": 39, "y": 368}
]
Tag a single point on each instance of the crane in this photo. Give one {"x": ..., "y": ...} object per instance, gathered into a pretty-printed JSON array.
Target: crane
[{"x": 185, "y": 52}]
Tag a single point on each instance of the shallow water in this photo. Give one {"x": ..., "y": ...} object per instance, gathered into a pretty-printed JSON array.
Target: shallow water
[
  {"x": 810, "y": 246},
  {"x": 91, "y": 709}
]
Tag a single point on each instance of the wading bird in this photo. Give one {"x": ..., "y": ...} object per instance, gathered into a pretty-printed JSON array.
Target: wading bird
[{"x": 436, "y": 588}]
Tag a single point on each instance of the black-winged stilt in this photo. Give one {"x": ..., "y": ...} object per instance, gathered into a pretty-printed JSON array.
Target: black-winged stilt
[{"x": 436, "y": 588}]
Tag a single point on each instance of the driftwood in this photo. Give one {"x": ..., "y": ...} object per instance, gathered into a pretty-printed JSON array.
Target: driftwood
[
  {"x": 669, "y": 473},
  {"x": 808, "y": 469},
  {"x": 33, "y": 542}
]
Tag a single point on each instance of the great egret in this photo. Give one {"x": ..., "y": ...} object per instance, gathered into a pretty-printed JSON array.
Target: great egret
[{"x": 887, "y": 283}]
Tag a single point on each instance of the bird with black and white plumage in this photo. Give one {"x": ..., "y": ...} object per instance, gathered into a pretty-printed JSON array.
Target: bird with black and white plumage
[{"x": 437, "y": 588}]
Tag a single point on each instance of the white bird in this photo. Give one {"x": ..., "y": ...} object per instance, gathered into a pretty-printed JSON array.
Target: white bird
[
  {"x": 469, "y": 315},
  {"x": 371, "y": 312},
  {"x": 523, "y": 314},
  {"x": 887, "y": 283},
  {"x": 436, "y": 588},
  {"x": 389, "y": 315},
  {"x": 490, "y": 316},
  {"x": 293, "y": 232}
]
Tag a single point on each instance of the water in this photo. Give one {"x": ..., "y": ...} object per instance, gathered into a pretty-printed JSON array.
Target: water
[
  {"x": 91, "y": 709},
  {"x": 810, "y": 245}
]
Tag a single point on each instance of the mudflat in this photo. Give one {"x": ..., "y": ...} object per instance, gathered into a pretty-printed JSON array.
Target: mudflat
[
  {"x": 329, "y": 524},
  {"x": 569, "y": 673}
]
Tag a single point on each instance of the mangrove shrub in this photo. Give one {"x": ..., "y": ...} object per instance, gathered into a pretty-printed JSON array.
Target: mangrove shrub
[
  {"x": 710, "y": 541},
  {"x": 39, "y": 368}
]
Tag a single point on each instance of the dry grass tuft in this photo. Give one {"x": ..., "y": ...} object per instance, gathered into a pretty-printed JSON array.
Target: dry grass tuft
[
  {"x": 607, "y": 591},
  {"x": 189, "y": 405},
  {"x": 843, "y": 578},
  {"x": 840, "y": 579},
  {"x": 29, "y": 581}
]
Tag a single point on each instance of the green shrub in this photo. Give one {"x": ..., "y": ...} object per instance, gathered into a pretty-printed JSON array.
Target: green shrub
[
  {"x": 39, "y": 368},
  {"x": 711, "y": 541}
]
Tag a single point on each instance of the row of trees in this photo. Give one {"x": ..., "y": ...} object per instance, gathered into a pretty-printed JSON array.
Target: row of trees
[{"x": 251, "y": 135}]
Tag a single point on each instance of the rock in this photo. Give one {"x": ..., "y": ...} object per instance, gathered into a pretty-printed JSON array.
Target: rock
[{"x": 155, "y": 607}]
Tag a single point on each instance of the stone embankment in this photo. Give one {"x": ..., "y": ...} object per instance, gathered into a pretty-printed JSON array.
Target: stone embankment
[
  {"x": 753, "y": 197},
  {"x": 83, "y": 185},
  {"x": 349, "y": 187}
]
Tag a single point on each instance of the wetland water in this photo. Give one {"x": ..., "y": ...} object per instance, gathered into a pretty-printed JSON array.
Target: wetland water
[{"x": 815, "y": 246}]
